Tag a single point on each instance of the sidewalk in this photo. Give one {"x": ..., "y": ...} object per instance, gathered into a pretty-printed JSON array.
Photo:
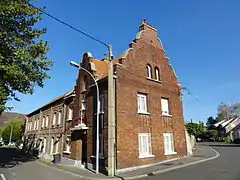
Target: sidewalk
[{"x": 200, "y": 154}]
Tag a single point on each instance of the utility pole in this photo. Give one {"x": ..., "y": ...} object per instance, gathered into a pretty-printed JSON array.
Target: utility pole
[{"x": 111, "y": 116}]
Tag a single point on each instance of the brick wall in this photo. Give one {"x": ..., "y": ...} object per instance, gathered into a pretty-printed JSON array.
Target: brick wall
[{"x": 131, "y": 79}]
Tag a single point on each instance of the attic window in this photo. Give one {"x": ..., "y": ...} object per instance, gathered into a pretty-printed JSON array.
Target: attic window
[{"x": 149, "y": 71}]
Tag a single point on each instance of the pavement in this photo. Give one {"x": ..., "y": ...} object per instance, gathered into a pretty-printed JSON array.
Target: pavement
[{"x": 203, "y": 165}]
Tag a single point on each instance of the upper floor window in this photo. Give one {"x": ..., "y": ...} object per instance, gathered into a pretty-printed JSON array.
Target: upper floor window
[
  {"x": 149, "y": 71},
  {"x": 43, "y": 121},
  {"x": 165, "y": 107},
  {"x": 47, "y": 120},
  {"x": 70, "y": 113},
  {"x": 157, "y": 73},
  {"x": 59, "y": 117},
  {"x": 85, "y": 83},
  {"x": 142, "y": 103},
  {"x": 54, "y": 119}
]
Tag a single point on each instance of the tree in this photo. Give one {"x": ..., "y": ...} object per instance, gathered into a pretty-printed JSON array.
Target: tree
[
  {"x": 23, "y": 61},
  {"x": 195, "y": 129},
  {"x": 16, "y": 125},
  {"x": 210, "y": 122}
]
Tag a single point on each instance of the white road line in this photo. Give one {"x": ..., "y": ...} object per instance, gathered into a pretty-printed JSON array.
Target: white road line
[{"x": 3, "y": 177}]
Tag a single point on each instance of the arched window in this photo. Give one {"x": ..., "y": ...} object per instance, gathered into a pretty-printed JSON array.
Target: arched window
[
  {"x": 149, "y": 71},
  {"x": 157, "y": 73}
]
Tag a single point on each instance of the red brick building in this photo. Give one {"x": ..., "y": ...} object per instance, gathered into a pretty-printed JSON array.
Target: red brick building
[{"x": 148, "y": 109}]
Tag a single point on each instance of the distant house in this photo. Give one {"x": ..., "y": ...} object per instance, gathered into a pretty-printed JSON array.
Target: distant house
[{"x": 229, "y": 127}]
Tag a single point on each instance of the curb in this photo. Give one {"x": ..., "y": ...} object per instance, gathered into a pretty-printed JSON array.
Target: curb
[
  {"x": 177, "y": 167},
  {"x": 138, "y": 176}
]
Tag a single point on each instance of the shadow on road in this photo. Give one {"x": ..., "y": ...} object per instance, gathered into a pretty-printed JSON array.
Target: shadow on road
[{"x": 10, "y": 157}]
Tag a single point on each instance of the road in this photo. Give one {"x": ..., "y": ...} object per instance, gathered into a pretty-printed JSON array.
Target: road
[
  {"x": 14, "y": 166},
  {"x": 225, "y": 167}
]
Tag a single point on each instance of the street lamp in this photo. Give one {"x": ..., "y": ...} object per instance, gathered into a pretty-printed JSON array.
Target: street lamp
[
  {"x": 98, "y": 112},
  {"x": 10, "y": 138}
]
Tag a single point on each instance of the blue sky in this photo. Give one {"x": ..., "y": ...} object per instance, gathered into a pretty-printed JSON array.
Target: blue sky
[{"x": 201, "y": 38}]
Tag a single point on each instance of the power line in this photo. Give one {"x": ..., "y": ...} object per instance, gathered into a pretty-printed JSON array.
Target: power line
[{"x": 70, "y": 26}]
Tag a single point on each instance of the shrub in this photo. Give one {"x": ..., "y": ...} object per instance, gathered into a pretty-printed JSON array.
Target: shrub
[
  {"x": 219, "y": 139},
  {"x": 227, "y": 140}
]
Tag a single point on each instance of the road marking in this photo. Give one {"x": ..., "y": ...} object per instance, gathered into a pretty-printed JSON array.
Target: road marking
[{"x": 3, "y": 177}]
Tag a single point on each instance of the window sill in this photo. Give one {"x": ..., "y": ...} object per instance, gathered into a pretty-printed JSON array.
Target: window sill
[
  {"x": 100, "y": 156},
  {"x": 144, "y": 113},
  {"x": 83, "y": 91},
  {"x": 146, "y": 156},
  {"x": 66, "y": 152},
  {"x": 167, "y": 115},
  {"x": 155, "y": 80},
  {"x": 170, "y": 153},
  {"x": 69, "y": 119}
]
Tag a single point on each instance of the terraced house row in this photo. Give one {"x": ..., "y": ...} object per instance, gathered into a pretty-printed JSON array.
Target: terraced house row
[{"x": 148, "y": 110}]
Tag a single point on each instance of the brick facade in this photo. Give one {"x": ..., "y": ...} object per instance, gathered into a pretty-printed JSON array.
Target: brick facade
[{"x": 131, "y": 77}]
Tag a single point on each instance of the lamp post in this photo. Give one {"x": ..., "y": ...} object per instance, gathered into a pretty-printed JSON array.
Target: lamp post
[
  {"x": 10, "y": 138},
  {"x": 98, "y": 112}
]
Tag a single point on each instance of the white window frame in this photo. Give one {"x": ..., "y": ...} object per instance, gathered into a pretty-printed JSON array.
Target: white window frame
[
  {"x": 168, "y": 143},
  {"x": 44, "y": 144},
  {"x": 165, "y": 107},
  {"x": 70, "y": 113},
  {"x": 47, "y": 121},
  {"x": 145, "y": 150},
  {"x": 43, "y": 122},
  {"x": 52, "y": 145},
  {"x": 57, "y": 145},
  {"x": 142, "y": 103},
  {"x": 68, "y": 145},
  {"x": 54, "y": 118},
  {"x": 149, "y": 71},
  {"x": 59, "y": 117},
  {"x": 157, "y": 74},
  {"x": 37, "y": 124},
  {"x": 83, "y": 106}
]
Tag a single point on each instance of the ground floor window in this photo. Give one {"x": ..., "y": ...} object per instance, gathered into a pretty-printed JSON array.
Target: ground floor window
[
  {"x": 68, "y": 144},
  {"x": 52, "y": 145},
  {"x": 168, "y": 143},
  {"x": 144, "y": 140}
]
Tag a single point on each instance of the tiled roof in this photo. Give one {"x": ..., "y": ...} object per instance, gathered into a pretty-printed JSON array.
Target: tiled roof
[{"x": 52, "y": 101}]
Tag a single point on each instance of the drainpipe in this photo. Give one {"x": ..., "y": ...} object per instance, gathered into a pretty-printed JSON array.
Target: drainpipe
[{"x": 64, "y": 125}]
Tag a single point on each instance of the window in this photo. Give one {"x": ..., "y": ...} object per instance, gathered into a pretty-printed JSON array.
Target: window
[
  {"x": 144, "y": 140},
  {"x": 149, "y": 71},
  {"x": 165, "y": 106},
  {"x": 34, "y": 125},
  {"x": 68, "y": 145},
  {"x": 37, "y": 123},
  {"x": 44, "y": 144},
  {"x": 70, "y": 113},
  {"x": 43, "y": 121},
  {"x": 47, "y": 119},
  {"x": 142, "y": 103},
  {"x": 52, "y": 144},
  {"x": 54, "y": 118},
  {"x": 157, "y": 73},
  {"x": 83, "y": 106},
  {"x": 85, "y": 83},
  {"x": 102, "y": 103},
  {"x": 59, "y": 117},
  {"x": 31, "y": 125},
  {"x": 168, "y": 143},
  {"x": 57, "y": 145}
]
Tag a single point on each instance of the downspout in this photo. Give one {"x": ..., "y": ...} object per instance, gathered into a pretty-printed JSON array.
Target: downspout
[
  {"x": 49, "y": 139},
  {"x": 64, "y": 125}
]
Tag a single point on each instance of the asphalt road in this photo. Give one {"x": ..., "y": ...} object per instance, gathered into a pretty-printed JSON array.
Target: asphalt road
[
  {"x": 225, "y": 167},
  {"x": 14, "y": 166}
]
